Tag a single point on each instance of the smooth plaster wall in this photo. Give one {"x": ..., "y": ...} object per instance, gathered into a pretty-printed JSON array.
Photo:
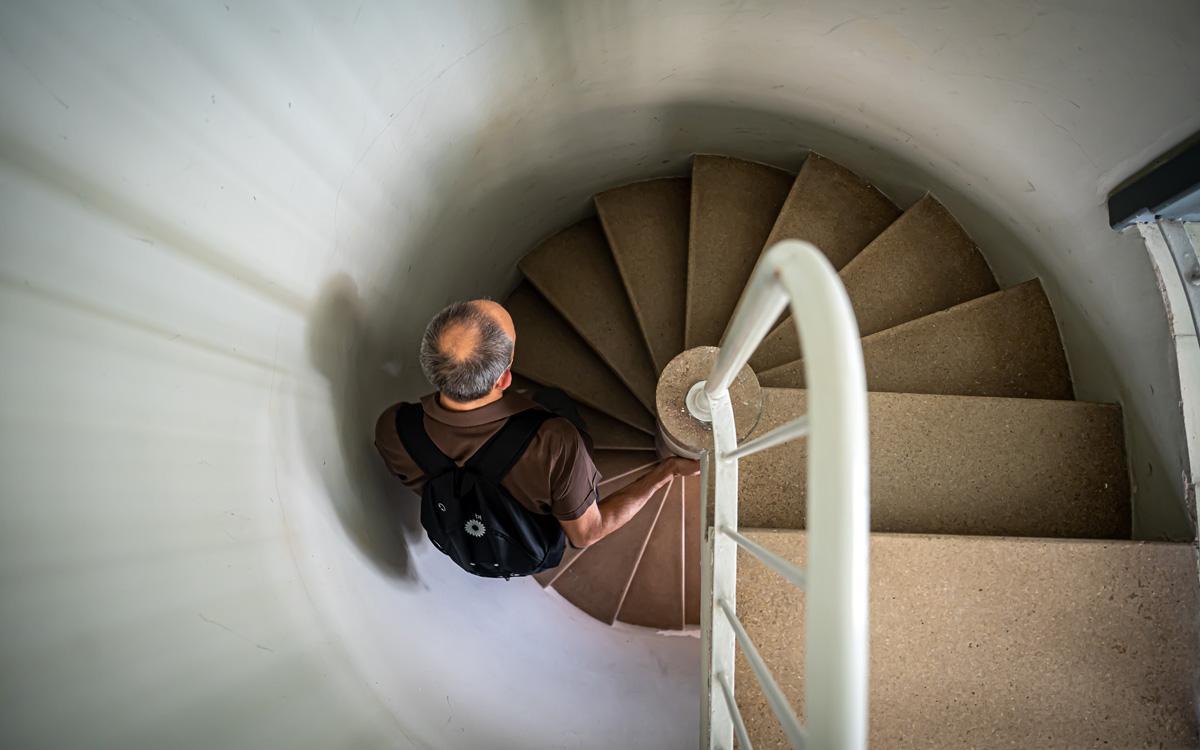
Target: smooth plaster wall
[{"x": 224, "y": 225}]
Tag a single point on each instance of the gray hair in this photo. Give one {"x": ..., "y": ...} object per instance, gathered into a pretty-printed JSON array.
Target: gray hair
[{"x": 471, "y": 377}]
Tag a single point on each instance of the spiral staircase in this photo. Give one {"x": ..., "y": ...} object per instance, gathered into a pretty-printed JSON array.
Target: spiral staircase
[{"x": 1009, "y": 604}]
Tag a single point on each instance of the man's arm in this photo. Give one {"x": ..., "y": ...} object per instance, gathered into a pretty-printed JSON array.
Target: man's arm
[{"x": 601, "y": 519}]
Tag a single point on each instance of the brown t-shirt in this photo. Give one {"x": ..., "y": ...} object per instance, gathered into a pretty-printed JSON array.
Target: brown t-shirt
[{"x": 554, "y": 476}]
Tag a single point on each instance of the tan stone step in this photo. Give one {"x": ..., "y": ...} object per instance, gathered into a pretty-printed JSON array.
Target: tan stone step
[
  {"x": 691, "y": 550},
  {"x": 1002, "y": 344},
  {"x": 598, "y": 578},
  {"x": 922, "y": 263},
  {"x": 834, "y": 209},
  {"x": 647, "y": 228},
  {"x": 605, "y": 431},
  {"x": 551, "y": 352},
  {"x": 609, "y": 433},
  {"x": 961, "y": 465},
  {"x": 734, "y": 205},
  {"x": 655, "y": 596},
  {"x": 617, "y": 464},
  {"x": 998, "y": 642},
  {"x": 575, "y": 272}
]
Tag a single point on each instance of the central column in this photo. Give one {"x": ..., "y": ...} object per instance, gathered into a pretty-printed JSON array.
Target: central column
[{"x": 683, "y": 433}]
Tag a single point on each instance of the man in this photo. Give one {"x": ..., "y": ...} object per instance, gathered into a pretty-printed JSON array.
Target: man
[{"x": 466, "y": 354}]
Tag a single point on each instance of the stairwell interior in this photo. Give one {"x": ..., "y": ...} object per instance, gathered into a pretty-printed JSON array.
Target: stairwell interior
[{"x": 224, "y": 228}]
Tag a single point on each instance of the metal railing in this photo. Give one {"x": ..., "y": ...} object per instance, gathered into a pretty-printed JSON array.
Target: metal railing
[{"x": 792, "y": 274}]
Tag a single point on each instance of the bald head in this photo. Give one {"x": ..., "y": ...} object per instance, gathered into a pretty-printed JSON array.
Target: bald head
[{"x": 467, "y": 349}]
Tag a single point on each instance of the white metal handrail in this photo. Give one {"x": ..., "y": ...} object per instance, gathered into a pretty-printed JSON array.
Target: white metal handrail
[{"x": 793, "y": 274}]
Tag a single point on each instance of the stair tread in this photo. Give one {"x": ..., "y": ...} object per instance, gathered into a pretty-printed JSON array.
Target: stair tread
[
  {"x": 922, "y": 263},
  {"x": 734, "y": 204},
  {"x": 609, "y": 433},
  {"x": 834, "y": 209},
  {"x": 576, "y": 273},
  {"x": 605, "y": 431},
  {"x": 990, "y": 641},
  {"x": 655, "y": 595},
  {"x": 615, "y": 464},
  {"x": 547, "y": 577},
  {"x": 961, "y": 465},
  {"x": 691, "y": 551},
  {"x": 647, "y": 228},
  {"x": 1002, "y": 344},
  {"x": 551, "y": 352},
  {"x": 597, "y": 580}
]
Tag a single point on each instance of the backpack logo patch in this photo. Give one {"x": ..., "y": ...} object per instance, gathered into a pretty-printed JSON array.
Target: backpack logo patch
[{"x": 475, "y": 526}]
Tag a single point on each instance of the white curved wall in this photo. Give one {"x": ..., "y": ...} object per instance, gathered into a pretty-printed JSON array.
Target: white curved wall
[{"x": 224, "y": 227}]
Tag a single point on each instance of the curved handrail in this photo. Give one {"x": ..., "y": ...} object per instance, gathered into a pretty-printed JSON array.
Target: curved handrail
[{"x": 796, "y": 274}]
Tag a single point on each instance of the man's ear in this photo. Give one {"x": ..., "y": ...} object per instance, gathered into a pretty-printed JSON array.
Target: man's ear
[{"x": 505, "y": 380}]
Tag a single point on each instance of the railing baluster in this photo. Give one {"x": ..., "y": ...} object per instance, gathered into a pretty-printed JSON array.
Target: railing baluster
[
  {"x": 797, "y": 428},
  {"x": 775, "y": 697},
  {"x": 796, "y": 274},
  {"x": 739, "y": 724},
  {"x": 786, "y": 568}
]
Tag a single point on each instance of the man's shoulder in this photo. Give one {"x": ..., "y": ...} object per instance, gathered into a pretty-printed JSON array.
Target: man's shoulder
[{"x": 557, "y": 437}]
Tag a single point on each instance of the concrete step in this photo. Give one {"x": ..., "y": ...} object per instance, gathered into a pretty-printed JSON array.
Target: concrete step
[
  {"x": 834, "y": 209},
  {"x": 961, "y": 465},
  {"x": 609, "y": 433},
  {"x": 647, "y": 228},
  {"x": 575, "y": 272},
  {"x": 922, "y": 263},
  {"x": 733, "y": 208},
  {"x": 598, "y": 578},
  {"x": 997, "y": 642},
  {"x": 606, "y": 432},
  {"x": 655, "y": 595},
  {"x": 550, "y": 351},
  {"x": 617, "y": 464},
  {"x": 1002, "y": 344}
]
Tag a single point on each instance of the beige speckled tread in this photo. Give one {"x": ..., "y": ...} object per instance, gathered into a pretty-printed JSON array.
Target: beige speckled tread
[
  {"x": 609, "y": 433},
  {"x": 999, "y": 642},
  {"x": 647, "y": 228},
  {"x": 596, "y": 581},
  {"x": 549, "y": 351},
  {"x": 655, "y": 595},
  {"x": 734, "y": 205},
  {"x": 606, "y": 432},
  {"x": 1002, "y": 344},
  {"x": 923, "y": 262},
  {"x": 962, "y": 465},
  {"x": 834, "y": 209},
  {"x": 575, "y": 272}
]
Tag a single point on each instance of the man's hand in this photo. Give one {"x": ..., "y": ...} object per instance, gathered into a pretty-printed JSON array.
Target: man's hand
[{"x": 676, "y": 466}]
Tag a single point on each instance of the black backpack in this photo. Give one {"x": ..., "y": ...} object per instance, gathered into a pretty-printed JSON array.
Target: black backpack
[{"x": 468, "y": 515}]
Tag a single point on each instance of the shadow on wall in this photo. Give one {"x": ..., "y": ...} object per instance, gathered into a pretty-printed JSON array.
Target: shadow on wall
[{"x": 379, "y": 515}]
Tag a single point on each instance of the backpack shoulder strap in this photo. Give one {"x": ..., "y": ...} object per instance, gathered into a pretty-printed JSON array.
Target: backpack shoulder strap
[
  {"x": 499, "y": 453},
  {"x": 410, "y": 424}
]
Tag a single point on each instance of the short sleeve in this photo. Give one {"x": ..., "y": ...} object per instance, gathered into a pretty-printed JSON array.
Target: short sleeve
[{"x": 573, "y": 475}]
